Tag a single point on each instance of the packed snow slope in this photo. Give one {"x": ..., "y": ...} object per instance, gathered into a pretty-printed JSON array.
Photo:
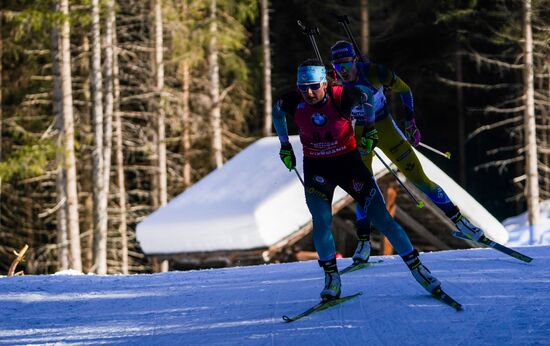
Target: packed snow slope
[{"x": 506, "y": 302}]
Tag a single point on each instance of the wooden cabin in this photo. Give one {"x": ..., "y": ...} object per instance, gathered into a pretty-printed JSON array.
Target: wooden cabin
[{"x": 252, "y": 211}]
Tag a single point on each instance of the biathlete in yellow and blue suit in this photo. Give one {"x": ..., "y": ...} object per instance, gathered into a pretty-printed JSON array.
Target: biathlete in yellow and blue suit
[{"x": 397, "y": 147}]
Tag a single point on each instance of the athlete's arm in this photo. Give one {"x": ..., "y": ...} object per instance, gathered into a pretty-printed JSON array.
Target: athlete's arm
[
  {"x": 358, "y": 101},
  {"x": 390, "y": 80},
  {"x": 286, "y": 104}
]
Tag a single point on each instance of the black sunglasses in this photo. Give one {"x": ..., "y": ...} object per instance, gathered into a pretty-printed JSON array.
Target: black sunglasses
[{"x": 312, "y": 86}]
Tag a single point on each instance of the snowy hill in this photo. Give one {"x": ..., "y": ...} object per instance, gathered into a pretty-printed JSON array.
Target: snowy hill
[{"x": 507, "y": 302}]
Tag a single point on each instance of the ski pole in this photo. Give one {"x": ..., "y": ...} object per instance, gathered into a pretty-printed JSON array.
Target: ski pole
[
  {"x": 299, "y": 176},
  {"x": 419, "y": 204},
  {"x": 445, "y": 154},
  {"x": 344, "y": 20},
  {"x": 311, "y": 32}
]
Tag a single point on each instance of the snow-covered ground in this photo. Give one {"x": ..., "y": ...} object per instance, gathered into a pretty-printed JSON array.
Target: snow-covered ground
[
  {"x": 518, "y": 228},
  {"x": 506, "y": 302}
]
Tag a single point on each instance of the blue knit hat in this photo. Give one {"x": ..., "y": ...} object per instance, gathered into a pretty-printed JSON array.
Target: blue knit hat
[{"x": 342, "y": 49}]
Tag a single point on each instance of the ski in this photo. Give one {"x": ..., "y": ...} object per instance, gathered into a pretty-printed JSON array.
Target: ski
[
  {"x": 440, "y": 295},
  {"x": 499, "y": 247},
  {"x": 358, "y": 265},
  {"x": 321, "y": 306}
]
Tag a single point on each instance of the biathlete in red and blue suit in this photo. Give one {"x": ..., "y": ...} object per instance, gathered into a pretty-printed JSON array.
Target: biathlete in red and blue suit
[{"x": 333, "y": 158}]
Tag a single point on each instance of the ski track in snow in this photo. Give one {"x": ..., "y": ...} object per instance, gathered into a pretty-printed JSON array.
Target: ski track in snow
[{"x": 506, "y": 302}]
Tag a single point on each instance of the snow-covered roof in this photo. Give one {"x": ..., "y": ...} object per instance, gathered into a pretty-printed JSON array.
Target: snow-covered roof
[{"x": 253, "y": 201}]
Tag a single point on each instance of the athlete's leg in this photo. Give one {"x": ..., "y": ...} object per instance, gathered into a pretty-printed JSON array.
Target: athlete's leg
[
  {"x": 362, "y": 223},
  {"x": 319, "y": 192},
  {"x": 360, "y": 184},
  {"x": 319, "y": 203},
  {"x": 363, "y": 188},
  {"x": 393, "y": 143},
  {"x": 363, "y": 230},
  {"x": 398, "y": 149}
]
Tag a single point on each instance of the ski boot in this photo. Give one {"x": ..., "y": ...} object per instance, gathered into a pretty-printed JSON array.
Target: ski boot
[
  {"x": 362, "y": 252},
  {"x": 420, "y": 272},
  {"x": 465, "y": 227},
  {"x": 331, "y": 290}
]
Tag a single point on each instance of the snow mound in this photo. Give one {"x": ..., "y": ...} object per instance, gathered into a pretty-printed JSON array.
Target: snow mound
[
  {"x": 69, "y": 272},
  {"x": 518, "y": 228}
]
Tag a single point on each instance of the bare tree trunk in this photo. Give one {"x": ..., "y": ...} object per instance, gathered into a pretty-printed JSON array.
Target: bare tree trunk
[
  {"x": 186, "y": 124},
  {"x": 1, "y": 119},
  {"x": 266, "y": 68},
  {"x": 70, "y": 162},
  {"x": 186, "y": 114},
  {"x": 61, "y": 181},
  {"x": 546, "y": 130},
  {"x": 62, "y": 240},
  {"x": 547, "y": 117},
  {"x": 122, "y": 228},
  {"x": 1, "y": 116},
  {"x": 161, "y": 127},
  {"x": 365, "y": 26},
  {"x": 214, "y": 75},
  {"x": 531, "y": 169},
  {"x": 461, "y": 120},
  {"x": 108, "y": 118},
  {"x": 100, "y": 205},
  {"x": 87, "y": 219},
  {"x": 108, "y": 125}
]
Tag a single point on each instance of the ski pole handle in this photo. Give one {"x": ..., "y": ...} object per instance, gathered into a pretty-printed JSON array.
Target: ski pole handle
[
  {"x": 419, "y": 204},
  {"x": 445, "y": 154},
  {"x": 311, "y": 32},
  {"x": 344, "y": 20}
]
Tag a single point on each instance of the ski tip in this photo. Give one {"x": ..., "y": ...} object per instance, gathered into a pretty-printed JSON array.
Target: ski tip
[
  {"x": 288, "y": 319},
  {"x": 448, "y": 154},
  {"x": 440, "y": 295},
  {"x": 456, "y": 305},
  {"x": 526, "y": 259},
  {"x": 521, "y": 257}
]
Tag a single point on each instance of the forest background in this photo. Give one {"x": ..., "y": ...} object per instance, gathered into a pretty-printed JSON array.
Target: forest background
[{"x": 111, "y": 108}]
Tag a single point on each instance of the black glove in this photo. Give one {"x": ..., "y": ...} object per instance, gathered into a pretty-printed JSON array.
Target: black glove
[{"x": 287, "y": 155}]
